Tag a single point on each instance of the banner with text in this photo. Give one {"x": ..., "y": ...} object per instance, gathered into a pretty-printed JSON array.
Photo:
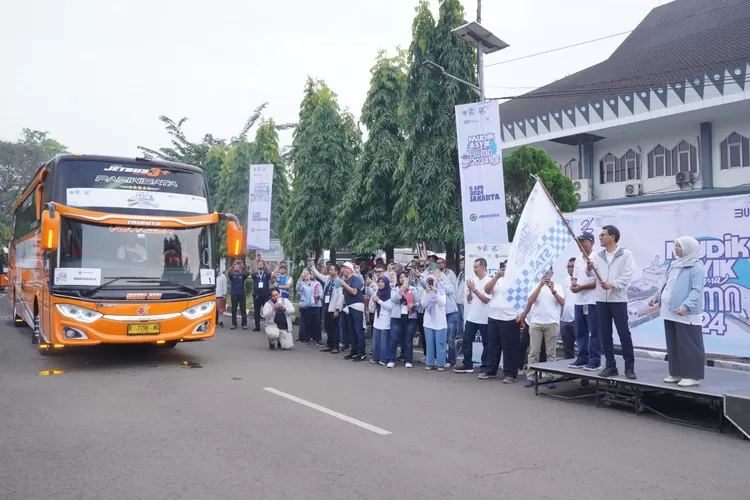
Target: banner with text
[
  {"x": 722, "y": 225},
  {"x": 493, "y": 253},
  {"x": 481, "y": 170},
  {"x": 259, "y": 208}
]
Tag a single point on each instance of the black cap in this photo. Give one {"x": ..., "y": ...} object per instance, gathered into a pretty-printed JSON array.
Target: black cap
[{"x": 586, "y": 236}]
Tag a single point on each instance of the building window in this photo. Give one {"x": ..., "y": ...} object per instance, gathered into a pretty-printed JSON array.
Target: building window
[
  {"x": 610, "y": 169},
  {"x": 571, "y": 170},
  {"x": 735, "y": 151},
  {"x": 659, "y": 162},
  {"x": 684, "y": 158},
  {"x": 631, "y": 164}
]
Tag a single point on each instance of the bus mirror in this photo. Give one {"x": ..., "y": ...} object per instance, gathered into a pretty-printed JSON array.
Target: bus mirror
[
  {"x": 234, "y": 239},
  {"x": 50, "y": 230}
]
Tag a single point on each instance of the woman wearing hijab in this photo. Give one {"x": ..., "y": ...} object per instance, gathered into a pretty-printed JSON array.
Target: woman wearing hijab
[
  {"x": 435, "y": 323},
  {"x": 681, "y": 299},
  {"x": 404, "y": 320},
  {"x": 381, "y": 323}
]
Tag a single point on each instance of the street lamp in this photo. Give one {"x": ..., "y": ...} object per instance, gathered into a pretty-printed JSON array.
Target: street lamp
[
  {"x": 438, "y": 70},
  {"x": 485, "y": 42}
]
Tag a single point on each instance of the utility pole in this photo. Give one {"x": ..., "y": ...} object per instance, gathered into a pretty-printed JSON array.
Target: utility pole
[{"x": 480, "y": 56}]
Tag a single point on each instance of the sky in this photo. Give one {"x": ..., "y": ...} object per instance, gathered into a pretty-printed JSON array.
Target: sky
[{"x": 97, "y": 75}]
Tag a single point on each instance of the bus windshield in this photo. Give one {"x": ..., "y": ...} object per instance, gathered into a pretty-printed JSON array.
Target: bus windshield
[
  {"x": 92, "y": 254},
  {"x": 132, "y": 188}
]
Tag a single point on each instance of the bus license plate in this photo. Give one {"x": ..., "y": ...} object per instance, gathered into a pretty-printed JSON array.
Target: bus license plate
[{"x": 144, "y": 329}]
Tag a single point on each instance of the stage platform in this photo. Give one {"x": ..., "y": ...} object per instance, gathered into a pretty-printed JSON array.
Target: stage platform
[{"x": 636, "y": 394}]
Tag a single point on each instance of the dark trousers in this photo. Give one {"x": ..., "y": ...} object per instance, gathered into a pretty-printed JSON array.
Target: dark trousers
[
  {"x": 356, "y": 331},
  {"x": 685, "y": 351},
  {"x": 587, "y": 336},
  {"x": 568, "y": 333},
  {"x": 616, "y": 312},
  {"x": 504, "y": 340},
  {"x": 331, "y": 325},
  {"x": 344, "y": 325},
  {"x": 258, "y": 302},
  {"x": 239, "y": 301},
  {"x": 420, "y": 326},
  {"x": 311, "y": 319},
  {"x": 523, "y": 352},
  {"x": 467, "y": 346}
]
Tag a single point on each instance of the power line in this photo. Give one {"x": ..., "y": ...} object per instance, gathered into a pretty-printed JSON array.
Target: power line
[{"x": 612, "y": 35}]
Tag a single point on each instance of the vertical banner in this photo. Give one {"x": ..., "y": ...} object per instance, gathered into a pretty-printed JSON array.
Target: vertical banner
[
  {"x": 480, "y": 163},
  {"x": 259, "y": 207}
]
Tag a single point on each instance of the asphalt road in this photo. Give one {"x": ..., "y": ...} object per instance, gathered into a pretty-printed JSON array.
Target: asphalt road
[{"x": 150, "y": 424}]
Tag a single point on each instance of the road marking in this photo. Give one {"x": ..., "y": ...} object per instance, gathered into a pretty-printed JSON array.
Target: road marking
[{"x": 341, "y": 416}]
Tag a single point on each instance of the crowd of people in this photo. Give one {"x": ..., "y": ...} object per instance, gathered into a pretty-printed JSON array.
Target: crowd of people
[{"x": 427, "y": 300}]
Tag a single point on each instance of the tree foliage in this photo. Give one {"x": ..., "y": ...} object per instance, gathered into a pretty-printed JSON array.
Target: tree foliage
[
  {"x": 19, "y": 161},
  {"x": 369, "y": 208},
  {"x": 429, "y": 186},
  {"x": 323, "y": 154},
  {"x": 517, "y": 173}
]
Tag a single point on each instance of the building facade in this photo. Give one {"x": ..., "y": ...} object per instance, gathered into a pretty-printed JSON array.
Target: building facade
[{"x": 667, "y": 116}]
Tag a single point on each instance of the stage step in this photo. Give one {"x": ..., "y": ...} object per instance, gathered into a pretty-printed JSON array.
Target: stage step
[{"x": 737, "y": 410}]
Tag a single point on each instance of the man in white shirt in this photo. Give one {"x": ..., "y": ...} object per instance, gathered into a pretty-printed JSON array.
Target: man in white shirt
[
  {"x": 544, "y": 309},
  {"x": 587, "y": 321},
  {"x": 568, "y": 319},
  {"x": 221, "y": 296},
  {"x": 477, "y": 309},
  {"x": 503, "y": 330}
]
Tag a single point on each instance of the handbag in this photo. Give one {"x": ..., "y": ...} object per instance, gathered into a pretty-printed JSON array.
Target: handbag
[{"x": 477, "y": 349}]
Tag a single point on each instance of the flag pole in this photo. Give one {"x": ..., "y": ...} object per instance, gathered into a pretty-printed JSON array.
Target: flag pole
[{"x": 565, "y": 221}]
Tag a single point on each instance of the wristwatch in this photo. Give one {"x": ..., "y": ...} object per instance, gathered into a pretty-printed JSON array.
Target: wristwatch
[{"x": 554, "y": 292}]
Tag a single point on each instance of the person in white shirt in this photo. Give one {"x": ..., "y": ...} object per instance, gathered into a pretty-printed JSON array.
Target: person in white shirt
[
  {"x": 333, "y": 303},
  {"x": 278, "y": 314},
  {"x": 583, "y": 288},
  {"x": 435, "y": 323},
  {"x": 615, "y": 266},
  {"x": 503, "y": 330},
  {"x": 477, "y": 311},
  {"x": 543, "y": 309},
  {"x": 381, "y": 323},
  {"x": 568, "y": 318},
  {"x": 221, "y": 296}
]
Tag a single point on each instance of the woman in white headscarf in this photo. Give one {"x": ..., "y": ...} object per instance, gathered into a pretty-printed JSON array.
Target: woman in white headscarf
[{"x": 681, "y": 298}]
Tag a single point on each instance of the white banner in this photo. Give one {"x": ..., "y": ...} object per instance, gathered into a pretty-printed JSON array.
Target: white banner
[
  {"x": 274, "y": 252},
  {"x": 722, "y": 225},
  {"x": 541, "y": 236},
  {"x": 481, "y": 169},
  {"x": 493, "y": 253},
  {"x": 259, "y": 207},
  {"x": 144, "y": 200}
]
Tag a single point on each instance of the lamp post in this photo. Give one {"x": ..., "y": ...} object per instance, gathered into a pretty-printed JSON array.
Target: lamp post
[
  {"x": 438, "y": 70},
  {"x": 485, "y": 42}
]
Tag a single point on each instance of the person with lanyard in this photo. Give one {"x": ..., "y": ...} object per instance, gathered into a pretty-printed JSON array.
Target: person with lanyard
[
  {"x": 403, "y": 320},
  {"x": 261, "y": 288},
  {"x": 333, "y": 302},
  {"x": 237, "y": 276},
  {"x": 381, "y": 326},
  {"x": 278, "y": 313},
  {"x": 354, "y": 306},
  {"x": 283, "y": 281},
  {"x": 310, "y": 306}
]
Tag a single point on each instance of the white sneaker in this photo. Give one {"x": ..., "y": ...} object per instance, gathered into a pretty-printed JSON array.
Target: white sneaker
[
  {"x": 390, "y": 365},
  {"x": 672, "y": 380},
  {"x": 408, "y": 365},
  {"x": 688, "y": 382}
]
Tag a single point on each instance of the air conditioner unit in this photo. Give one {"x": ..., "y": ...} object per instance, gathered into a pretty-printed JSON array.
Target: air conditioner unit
[
  {"x": 633, "y": 189},
  {"x": 584, "y": 190},
  {"x": 684, "y": 178}
]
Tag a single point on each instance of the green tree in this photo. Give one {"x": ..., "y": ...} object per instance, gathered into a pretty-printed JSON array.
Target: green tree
[
  {"x": 324, "y": 151},
  {"x": 234, "y": 181},
  {"x": 517, "y": 171},
  {"x": 266, "y": 151},
  {"x": 369, "y": 209}
]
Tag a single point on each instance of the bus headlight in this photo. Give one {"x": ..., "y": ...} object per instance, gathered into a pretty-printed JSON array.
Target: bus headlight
[
  {"x": 78, "y": 313},
  {"x": 196, "y": 312}
]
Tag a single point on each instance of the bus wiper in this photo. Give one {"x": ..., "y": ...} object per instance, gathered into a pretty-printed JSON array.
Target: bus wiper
[
  {"x": 170, "y": 282},
  {"x": 112, "y": 279}
]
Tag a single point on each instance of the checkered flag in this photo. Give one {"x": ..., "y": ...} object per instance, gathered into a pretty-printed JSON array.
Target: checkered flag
[{"x": 542, "y": 235}]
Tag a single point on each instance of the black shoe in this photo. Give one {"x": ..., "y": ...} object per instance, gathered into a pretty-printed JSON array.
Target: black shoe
[
  {"x": 234, "y": 327},
  {"x": 221, "y": 324},
  {"x": 359, "y": 358},
  {"x": 349, "y": 356},
  {"x": 609, "y": 372},
  {"x": 326, "y": 349},
  {"x": 345, "y": 348},
  {"x": 256, "y": 329},
  {"x": 271, "y": 346},
  {"x": 630, "y": 373},
  {"x": 335, "y": 351},
  {"x": 244, "y": 328}
]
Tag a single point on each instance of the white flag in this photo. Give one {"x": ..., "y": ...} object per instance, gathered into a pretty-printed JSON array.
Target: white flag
[{"x": 541, "y": 236}]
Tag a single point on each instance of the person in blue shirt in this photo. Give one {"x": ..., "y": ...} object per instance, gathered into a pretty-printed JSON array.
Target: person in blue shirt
[
  {"x": 284, "y": 281},
  {"x": 237, "y": 276},
  {"x": 354, "y": 304}
]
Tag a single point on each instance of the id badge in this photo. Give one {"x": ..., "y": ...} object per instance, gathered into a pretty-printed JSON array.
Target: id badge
[
  {"x": 260, "y": 284},
  {"x": 327, "y": 299}
]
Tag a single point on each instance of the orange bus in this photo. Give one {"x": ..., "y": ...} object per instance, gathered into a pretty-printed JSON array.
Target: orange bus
[
  {"x": 110, "y": 250},
  {"x": 4, "y": 268}
]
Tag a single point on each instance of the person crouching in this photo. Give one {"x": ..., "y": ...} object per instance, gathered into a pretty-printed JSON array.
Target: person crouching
[{"x": 278, "y": 314}]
